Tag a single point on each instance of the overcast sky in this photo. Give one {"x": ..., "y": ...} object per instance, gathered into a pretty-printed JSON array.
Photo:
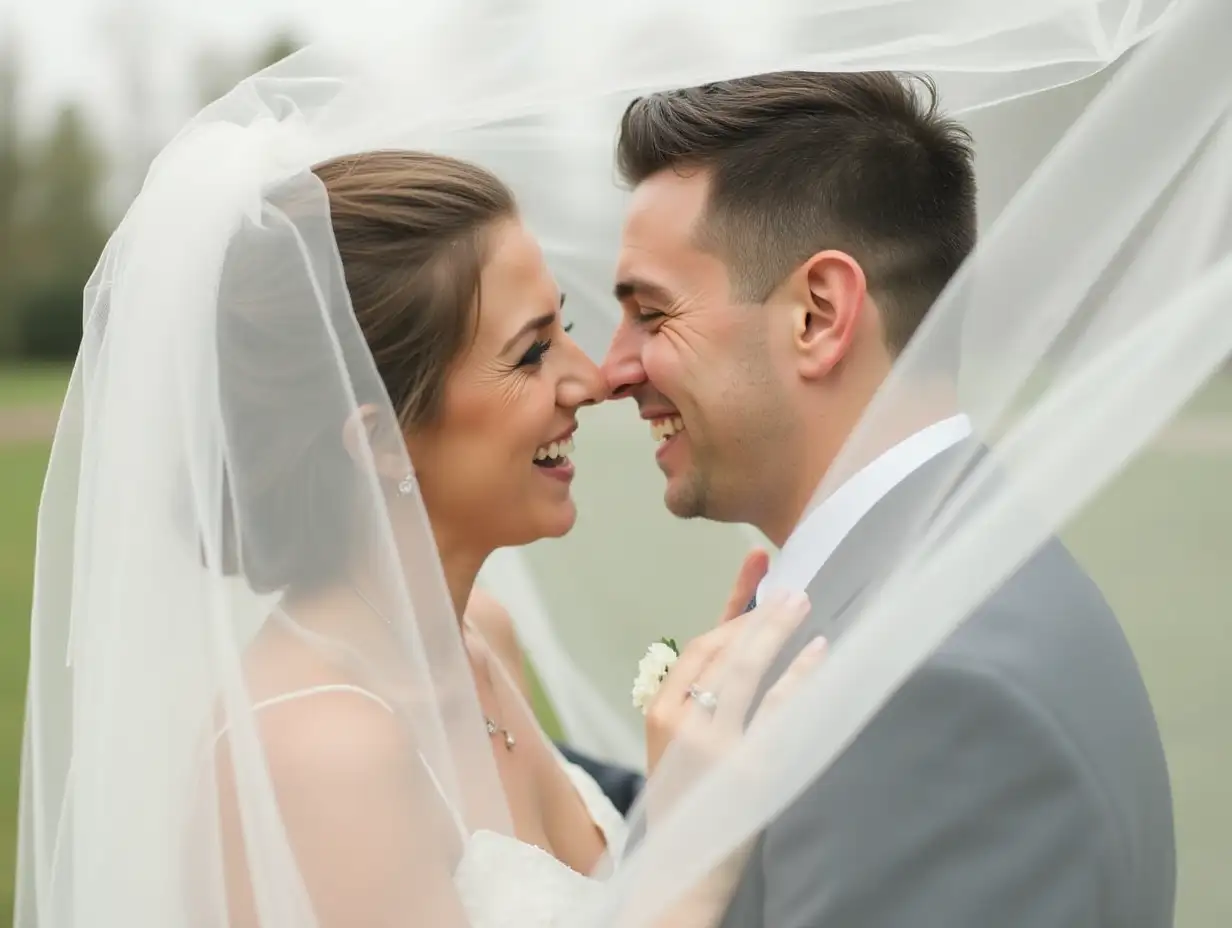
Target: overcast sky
[{"x": 73, "y": 49}]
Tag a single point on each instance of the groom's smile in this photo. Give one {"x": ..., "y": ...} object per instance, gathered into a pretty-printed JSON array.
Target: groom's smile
[
  {"x": 664, "y": 427},
  {"x": 666, "y": 430}
]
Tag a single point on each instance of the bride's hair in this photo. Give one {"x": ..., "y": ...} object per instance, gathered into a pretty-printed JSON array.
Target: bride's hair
[{"x": 411, "y": 230}]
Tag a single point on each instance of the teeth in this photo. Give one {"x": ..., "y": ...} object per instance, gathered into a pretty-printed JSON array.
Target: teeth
[
  {"x": 556, "y": 449},
  {"x": 663, "y": 429}
]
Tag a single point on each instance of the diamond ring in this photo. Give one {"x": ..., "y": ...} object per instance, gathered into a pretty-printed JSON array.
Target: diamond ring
[{"x": 706, "y": 699}]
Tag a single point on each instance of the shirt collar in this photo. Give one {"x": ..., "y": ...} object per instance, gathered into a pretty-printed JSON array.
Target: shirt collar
[{"x": 822, "y": 530}]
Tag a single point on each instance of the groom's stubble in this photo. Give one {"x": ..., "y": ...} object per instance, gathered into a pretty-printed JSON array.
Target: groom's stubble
[{"x": 741, "y": 439}]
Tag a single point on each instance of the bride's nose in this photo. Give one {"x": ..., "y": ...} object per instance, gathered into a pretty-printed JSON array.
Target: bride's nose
[{"x": 582, "y": 383}]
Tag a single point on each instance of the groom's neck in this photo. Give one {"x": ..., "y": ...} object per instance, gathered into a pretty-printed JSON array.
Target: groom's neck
[{"x": 837, "y": 448}]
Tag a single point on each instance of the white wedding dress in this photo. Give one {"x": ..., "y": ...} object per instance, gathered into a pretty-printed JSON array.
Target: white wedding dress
[{"x": 506, "y": 883}]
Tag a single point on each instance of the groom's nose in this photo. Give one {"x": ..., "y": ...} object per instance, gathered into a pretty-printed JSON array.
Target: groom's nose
[{"x": 622, "y": 368}]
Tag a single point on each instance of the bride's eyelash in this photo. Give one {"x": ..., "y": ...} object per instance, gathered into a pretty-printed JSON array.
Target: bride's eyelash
[
  {"x": 535, "y": 353},
  {"x": 539, "y": 349}
]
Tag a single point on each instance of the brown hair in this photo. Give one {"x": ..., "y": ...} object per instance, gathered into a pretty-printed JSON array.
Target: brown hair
[
  {"x": 412, "y": 232},
  {"x": 800, "y": 162}
]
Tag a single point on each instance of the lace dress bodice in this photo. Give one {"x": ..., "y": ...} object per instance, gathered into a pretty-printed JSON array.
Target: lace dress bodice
[{"x": 505, "y": 883}]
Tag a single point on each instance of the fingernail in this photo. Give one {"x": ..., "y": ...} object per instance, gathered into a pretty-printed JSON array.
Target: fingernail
[
  {"x": 816, "y": 647},
  {"x": 798, "y": 600}
]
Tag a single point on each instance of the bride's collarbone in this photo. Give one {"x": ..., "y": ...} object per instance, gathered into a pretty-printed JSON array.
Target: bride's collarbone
[
  {"x": 546, "y": 808},
  {"x": 519, "y": 756}
]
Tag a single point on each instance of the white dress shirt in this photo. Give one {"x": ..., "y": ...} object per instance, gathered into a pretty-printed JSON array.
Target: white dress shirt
[{"x": 820, "y": 533}]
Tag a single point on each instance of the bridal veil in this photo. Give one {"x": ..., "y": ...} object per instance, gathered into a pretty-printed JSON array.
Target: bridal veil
[{"x": 1084, "y": 335}]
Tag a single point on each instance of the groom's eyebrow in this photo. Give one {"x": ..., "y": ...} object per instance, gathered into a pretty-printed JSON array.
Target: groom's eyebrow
[{"x": 635, "y": 287}]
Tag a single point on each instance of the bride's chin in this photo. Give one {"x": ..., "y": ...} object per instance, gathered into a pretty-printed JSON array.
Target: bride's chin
[
  {"x": 558, "y": 521},
  {"x": 531, "y": 525}
]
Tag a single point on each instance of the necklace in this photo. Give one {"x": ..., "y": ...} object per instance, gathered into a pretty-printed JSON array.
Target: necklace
[
  {"x": 492, "y": 726},
  {"x": 510, "y": 741}
]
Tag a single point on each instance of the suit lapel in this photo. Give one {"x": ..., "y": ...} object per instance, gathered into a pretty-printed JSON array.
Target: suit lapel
[{"x": 863, "y": 560}]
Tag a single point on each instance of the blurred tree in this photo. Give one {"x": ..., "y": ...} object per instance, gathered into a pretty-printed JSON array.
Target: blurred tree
[
  {"x": 52, "y": 221},
  {"x": 11, "y": 164},
  {"x": 60, "y": 233},
  {"x": 219, "y": 71},
  {"x": 282, "y": 45}
]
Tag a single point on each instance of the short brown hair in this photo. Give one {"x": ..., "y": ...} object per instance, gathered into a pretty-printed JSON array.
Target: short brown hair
[
  {"x": 801, "y": 162},
  {"x": 412, "y": 231}
]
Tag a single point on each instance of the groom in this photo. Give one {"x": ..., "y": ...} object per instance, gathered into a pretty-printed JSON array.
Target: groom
[{"x": 787, "y": 235}]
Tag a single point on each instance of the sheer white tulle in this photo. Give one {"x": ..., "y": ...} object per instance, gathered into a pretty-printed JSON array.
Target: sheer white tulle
[{"x": 220, "y": 341}]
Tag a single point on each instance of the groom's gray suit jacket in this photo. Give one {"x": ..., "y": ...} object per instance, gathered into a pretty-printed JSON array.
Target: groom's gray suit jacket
[{"x": 1017, "y": 780}]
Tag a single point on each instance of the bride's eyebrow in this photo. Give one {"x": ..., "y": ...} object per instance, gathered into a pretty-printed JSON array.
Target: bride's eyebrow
[{"x": 539, "y": 322}]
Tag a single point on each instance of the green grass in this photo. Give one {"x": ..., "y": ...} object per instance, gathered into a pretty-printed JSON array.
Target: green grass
[
  {"x": 33, "y": 384},
  {"x": 21, "y": 479}
]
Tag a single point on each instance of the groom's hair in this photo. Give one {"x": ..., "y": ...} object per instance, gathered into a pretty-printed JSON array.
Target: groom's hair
[{"x": 801, "y": 162}]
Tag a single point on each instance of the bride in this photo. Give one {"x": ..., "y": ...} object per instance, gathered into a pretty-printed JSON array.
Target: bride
[{"x": 258, "y": 436}]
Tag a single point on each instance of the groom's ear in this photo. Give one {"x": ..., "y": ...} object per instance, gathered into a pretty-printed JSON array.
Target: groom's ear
[{"x": 828, "y": 299}]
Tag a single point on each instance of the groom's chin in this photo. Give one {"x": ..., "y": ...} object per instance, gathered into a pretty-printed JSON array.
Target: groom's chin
[{"x": 682, "y": 499}]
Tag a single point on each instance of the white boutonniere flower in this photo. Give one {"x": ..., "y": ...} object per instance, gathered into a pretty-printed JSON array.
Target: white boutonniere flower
[{"x": 651, "y": 669}]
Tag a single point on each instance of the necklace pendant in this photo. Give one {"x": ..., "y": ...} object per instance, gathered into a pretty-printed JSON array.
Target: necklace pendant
[{"x": 507, "y": 735}]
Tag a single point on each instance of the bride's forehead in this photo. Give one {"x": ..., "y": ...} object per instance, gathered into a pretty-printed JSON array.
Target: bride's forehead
[
  {"x": 515, "y": 283},
  {"x": 514, "y": 258}
]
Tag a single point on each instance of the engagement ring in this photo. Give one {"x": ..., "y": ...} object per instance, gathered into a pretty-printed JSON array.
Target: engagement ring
[{"x": 705, "y": 698}]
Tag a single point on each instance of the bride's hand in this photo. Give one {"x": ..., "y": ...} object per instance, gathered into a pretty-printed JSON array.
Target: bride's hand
[
  {"x": 706, "y": 697},
  {"x": 705, "y": 702}
]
